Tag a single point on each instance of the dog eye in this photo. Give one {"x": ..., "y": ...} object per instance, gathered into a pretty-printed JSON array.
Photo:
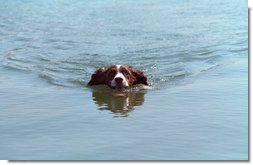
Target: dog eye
[
  {"x": 125, "y": 72},
  {"x": 112, "y": 74}
]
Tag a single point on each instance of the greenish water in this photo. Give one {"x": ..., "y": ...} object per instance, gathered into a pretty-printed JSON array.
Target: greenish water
[{"x": 195, "y": 56}]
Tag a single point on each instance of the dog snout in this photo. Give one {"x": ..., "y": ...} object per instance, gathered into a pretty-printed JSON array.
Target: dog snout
[{"x": 118, "y": 80}]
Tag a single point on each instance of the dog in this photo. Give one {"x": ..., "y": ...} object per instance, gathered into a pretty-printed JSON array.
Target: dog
[{"x": 119, "y": 77}]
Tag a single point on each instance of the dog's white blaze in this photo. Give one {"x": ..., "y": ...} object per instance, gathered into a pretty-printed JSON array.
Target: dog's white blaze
[
  {"x": 119, "y": 74},
  {"x": 118, "y": 66}
]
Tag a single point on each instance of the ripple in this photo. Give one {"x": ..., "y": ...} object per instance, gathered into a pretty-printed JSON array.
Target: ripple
[
  {"x": 52, "y": 79},
  {"x": 75, "y": 70}
]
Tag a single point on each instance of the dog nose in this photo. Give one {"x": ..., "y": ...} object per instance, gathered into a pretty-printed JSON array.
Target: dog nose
[{"x": 118, "y": 80}]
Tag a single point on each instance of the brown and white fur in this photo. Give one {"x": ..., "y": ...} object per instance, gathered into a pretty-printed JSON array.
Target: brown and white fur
[{"x": 118, "y": 77}]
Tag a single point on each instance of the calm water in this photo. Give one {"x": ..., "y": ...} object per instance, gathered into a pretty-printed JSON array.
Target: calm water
[{"x": 194, "y": 53}]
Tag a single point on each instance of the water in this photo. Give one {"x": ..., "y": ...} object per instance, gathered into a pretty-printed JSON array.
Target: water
[{"x": 194, "y": 54}]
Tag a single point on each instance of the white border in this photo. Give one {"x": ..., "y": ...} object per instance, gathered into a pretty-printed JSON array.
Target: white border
[
  {"x": 250, "y": 5},
  {"x": 250, "y": 58}
]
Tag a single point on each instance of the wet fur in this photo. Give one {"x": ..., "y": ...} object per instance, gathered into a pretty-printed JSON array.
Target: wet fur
[{"x": 101, "y": 77}]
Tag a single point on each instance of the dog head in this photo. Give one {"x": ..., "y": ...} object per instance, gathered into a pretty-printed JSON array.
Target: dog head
[{"x": 118, "y": 77}]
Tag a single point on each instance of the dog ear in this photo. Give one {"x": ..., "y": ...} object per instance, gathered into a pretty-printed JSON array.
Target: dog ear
[
  {"x": 98, "y": 77},
  {"x": 140, "y": 78}
]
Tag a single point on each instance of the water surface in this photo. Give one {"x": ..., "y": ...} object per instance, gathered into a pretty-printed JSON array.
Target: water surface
[{"x": 194, "y": 54}]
